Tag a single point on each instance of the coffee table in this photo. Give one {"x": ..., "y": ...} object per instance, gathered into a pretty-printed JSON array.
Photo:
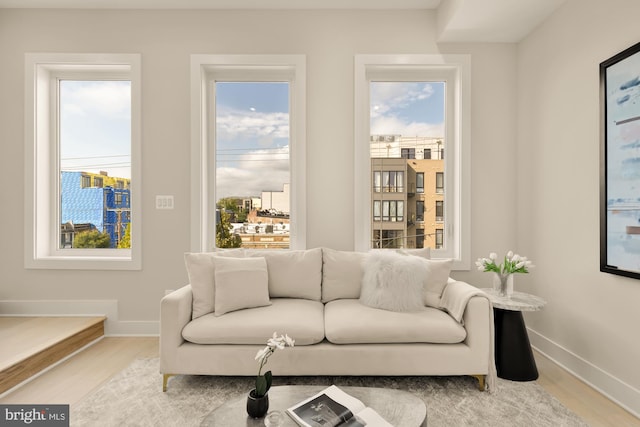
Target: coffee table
[{"x": 398, "y": 407}]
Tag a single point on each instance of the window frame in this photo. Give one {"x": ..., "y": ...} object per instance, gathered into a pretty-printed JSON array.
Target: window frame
[
  {"x": 42, "y": 164},
  {"x": 205, "y": 71},
  {"x": 455, "y": 71}
]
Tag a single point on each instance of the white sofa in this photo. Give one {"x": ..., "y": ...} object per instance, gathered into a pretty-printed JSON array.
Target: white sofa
[{"x": 313, "y": 296}]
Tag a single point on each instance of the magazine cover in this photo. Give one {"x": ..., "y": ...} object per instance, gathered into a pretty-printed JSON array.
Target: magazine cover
[{"x": 333, "y": 407}]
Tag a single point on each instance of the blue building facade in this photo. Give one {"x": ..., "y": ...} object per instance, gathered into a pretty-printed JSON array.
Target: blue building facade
[{"x": 96, "y": 199}]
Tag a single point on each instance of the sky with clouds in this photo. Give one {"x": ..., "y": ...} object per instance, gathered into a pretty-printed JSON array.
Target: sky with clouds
[
  {"x": 407, "y": 108},
  {"x": 252, "y": 138},
  {"x": 95, "y": 127}
]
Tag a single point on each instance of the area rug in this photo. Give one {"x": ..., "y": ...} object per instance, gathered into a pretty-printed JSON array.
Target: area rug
[{"x": 134, "y": 397}]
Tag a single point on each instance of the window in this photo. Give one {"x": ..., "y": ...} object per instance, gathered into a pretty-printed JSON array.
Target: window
[
  {"x": 392, "y": 210},
  {"x": 408, "y": 153},
  {"x": 420, "y": 210},
  {"x": 439, "y": 238},
  {"x": 388, "y": 239},
  {"x": 420, "y": 182},
  {"x": 439, "y": 182},
  {"x": 421, "y": 103},
  {"x": 420, "y": 238},
  {"x": 388, "y": 181},
  {"x": 439, "y": 210},
  {"x": 83, "y": 131},
  {"x": 248, "y": 143}
]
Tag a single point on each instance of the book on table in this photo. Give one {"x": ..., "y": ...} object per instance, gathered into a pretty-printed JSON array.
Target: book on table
[{"x": 333, "y": 407}]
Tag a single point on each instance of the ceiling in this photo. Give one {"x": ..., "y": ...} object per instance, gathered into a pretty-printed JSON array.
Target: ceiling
[{"x": 458, "y": 20}]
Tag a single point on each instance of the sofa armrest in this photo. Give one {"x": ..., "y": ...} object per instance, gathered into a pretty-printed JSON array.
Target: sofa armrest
[
  {"x": 175, "y": 313},
  {"x": 472, "y": 307},
  {"x": 456, "y": 296}
]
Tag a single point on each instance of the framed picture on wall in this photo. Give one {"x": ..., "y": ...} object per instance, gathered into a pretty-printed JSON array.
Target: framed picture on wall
[{"x": 620, "y": 163}]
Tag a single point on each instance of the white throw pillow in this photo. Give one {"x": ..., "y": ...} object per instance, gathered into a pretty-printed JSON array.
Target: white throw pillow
[
  {"x": 438, "y": 271},
  {"x": 341, "y": 274},
  {"x": 240, "y": 283},
  {"x": 393, "y": 281},
  {"x": 292, "y": 273},
  {"x": 201, "y": 270}
]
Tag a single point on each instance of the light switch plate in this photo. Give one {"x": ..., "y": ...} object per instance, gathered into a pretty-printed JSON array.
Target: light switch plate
[{"x": 164, "y": 202}]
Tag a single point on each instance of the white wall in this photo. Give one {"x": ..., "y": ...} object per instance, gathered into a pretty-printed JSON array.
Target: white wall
[{"x": 591, "y": 321}]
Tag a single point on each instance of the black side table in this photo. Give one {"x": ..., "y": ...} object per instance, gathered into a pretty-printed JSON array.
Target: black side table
[{"x": 514, "y": 358}]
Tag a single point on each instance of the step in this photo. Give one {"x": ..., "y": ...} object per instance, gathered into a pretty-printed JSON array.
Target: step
[{"x": 32, "y": 344}]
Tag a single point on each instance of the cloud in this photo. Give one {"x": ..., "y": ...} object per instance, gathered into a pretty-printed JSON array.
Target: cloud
[
  {"x": 389, "y": 125},
  {"x": 264, "y": 127},
  {"x": 250, "y": 173},
  {"x": 233, "y": 181},
  {"x": 389, "y": 97},
  {"x": 107, "y": 99}
]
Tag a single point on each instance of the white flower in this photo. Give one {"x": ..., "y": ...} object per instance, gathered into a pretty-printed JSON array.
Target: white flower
[
  {"x": 493, "y": 256},
  {"x": 515, "y": 258},
  {"x": 262, "y": 353},
  {"x": 289, "y": 341},
  {"x": 509, "y": 254}
]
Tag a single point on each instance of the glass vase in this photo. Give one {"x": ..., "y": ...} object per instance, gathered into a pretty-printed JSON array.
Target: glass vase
[{"x": 503, "y": 284}]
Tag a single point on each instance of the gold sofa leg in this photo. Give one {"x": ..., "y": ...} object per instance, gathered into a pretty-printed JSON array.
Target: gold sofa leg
[
  {"x": 481, "y": 381},
  {"x": 165, "y": 380}
]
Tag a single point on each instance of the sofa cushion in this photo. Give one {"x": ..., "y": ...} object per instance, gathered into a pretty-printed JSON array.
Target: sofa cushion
[
  {"x": 240, "y": 283},
  {"x": 393, "y": 281},
  {"x": 438, "y": 271},
  {"x": 301, "y": 319},
  {"x": 292, "y": 274},
  {"x": 201, "y": 271},
  {"x": 341, "y": 274},
  {"x": 347, "y": 321}
]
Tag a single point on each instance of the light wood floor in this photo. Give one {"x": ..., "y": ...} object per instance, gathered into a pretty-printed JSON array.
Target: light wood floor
[{"x": 77, "y": 377}]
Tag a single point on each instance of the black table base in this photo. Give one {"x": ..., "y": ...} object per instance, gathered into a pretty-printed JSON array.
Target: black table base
[{"x": 514, "y": 358}]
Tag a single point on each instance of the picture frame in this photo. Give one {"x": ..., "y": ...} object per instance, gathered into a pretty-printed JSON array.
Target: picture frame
[{"x": 620, "y": 163}]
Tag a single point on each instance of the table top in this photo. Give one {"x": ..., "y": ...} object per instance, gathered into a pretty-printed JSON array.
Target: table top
[
  {"x": 519, "y": 301},
  {"x": 398, "y": 407}
]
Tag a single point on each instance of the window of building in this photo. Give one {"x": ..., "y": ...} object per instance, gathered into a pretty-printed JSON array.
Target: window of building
[
  {"x": 408, "y": 153},
  {"x": 248, "y": 142},
  {"x": 439, "y": 238},
  {"x": 439, "y": 182},
  {"x": 83, "y": 125},
  {"x": 420, "y": 210},
  {"x": 439, "y": 210},
  {"x": 388, "y": 239},
  {"x": 420, "y": 238},
  {"x": 420, "y": 182},
  {"x": 422, "y": 102}
]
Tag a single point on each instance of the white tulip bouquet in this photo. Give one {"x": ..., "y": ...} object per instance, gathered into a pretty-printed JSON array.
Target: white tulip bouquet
[{"x": 513, "y": 263}]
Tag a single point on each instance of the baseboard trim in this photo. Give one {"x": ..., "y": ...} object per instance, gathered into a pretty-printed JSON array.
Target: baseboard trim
[
  {"x": 610, "y": 386},
  {"x": 71, "y": 308}
]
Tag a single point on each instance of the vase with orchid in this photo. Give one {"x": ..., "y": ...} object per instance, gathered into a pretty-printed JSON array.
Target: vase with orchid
[
  {"x": 258, "y": 400},
  {"x": 512, "y": 263}
]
